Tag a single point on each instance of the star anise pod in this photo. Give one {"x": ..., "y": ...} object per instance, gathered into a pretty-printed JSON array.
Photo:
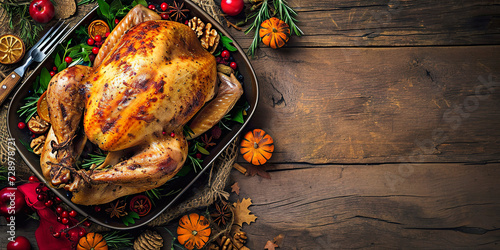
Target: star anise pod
[
  {"x": 207, "y": 141},
  {"x": 116, "y": 209},
  {"x": 177, "y": 12},
  {"x": 223, "y": 213}
]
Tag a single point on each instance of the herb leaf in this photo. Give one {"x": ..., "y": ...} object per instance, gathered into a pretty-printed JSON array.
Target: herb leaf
[
  {"x": 226, "y": 41},
  {"x": 44, "y": 78}
]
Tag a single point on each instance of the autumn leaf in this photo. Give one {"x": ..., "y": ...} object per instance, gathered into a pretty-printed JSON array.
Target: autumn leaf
[
  {"x": 259, "y": 170},
  {"x": 278, "y": 240},
  {"x": 235, "y": 188},
  {"x": 270, "y": 245},
  {"x": 242, "y": 213}
]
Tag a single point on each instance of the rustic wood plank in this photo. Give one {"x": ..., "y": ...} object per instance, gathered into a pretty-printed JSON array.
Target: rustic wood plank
[
  {"x": 380, "y": 105},
  {"x": 393, "y": 23},
  {"x": 384, "y": 206}
]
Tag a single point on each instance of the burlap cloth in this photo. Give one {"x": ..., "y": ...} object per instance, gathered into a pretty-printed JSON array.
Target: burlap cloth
[{"x": 219, "y": 170}]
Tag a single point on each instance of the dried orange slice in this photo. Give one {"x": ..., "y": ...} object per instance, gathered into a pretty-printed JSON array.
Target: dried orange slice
[
  {"x": 98, "y": 27},
  {"x": 42, "y": 107},
  {"x": 11, "y": 49}
]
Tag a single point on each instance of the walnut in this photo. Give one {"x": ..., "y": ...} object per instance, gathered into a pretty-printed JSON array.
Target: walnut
[
  {"x": 37, "y": 125},
  {"x": 37, "y": 144},
  {"x": 197, "y": 25},
  {"x": 210, "y": 38}
]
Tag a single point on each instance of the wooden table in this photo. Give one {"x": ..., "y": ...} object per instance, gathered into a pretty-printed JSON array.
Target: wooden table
[{"x": 386, "y": 120}]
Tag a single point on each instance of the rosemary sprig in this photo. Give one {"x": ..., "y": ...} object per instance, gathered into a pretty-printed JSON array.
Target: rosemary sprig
[
  {"x": 83, "y": 2},
  {"x": 29, "y": 107},
  {"x": 118, "y": 240},
  {"x": 288, "y": 15},
  {"x": 19, "y": 19},
  {"x": 260, "y": 17},
  {"x": 96, "y": 159}
]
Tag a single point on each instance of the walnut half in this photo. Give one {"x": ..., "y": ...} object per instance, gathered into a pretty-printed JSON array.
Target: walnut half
[
  {"x": 37, "y": 125},
  {"x": 197, "y": 26},
  {"x": 37, "y": 144},
  {"x": 210, "y": 38}
]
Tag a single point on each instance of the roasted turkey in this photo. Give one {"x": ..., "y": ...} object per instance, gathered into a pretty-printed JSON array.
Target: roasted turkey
[{"x": 149, "y": 79}]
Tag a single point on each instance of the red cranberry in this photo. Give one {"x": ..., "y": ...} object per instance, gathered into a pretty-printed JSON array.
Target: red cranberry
[
  {"x": 59, "y": 209},
  {"x": 56, "y": 234},
  {"x": 86, "y": 223},
  {"x": 33, "y": 178},
  {"x": 198, "y": 155},
  {"x": 64, "y": 214},
  {"x": 90, "y": 41},
  {"x": 72, "y": 213},
  {"x": 98, "y": 38},
  {"x": 233, "y": 65},
  {"x": 52, "y": 73},
  {"x": 225, "y": 54},
  {"x": 164, "y": 6},
  {"x": 64, "y": 221},
  {"x": 21, "y": 125}
]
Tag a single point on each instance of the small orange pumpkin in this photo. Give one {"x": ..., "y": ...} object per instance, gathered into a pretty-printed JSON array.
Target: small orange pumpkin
[
  {"x": 92, "y": 241},
  {"x": 274, "y": 32},
  {"x": 193, "y": 231},
  {"x": 257, "y": 147}
]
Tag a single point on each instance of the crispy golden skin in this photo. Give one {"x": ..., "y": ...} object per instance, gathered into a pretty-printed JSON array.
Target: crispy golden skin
[{"x": 154, "y": 79}]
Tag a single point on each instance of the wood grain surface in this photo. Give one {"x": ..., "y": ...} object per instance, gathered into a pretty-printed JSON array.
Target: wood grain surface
[{"x": 386, "y": 118}]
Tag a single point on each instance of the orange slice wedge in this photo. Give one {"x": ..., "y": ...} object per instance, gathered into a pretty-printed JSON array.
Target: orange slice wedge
[
  {"x": 42, "y": 107},
  {"x": 98, "y": 27},
  {"x": 11, "y": 49}
]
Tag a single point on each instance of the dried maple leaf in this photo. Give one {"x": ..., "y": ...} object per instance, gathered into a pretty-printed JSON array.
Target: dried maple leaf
[
  {"x": 235, "y": 188},
  {"x": 278, "y": 240},
  {"x": 270, "y": 245},
  {"x": 259, "y": 170},
  {"x": 242, "y": 213}
]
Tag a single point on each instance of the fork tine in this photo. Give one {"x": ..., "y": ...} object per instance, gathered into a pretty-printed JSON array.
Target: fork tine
[
  {"x": 56, "y": 39},
  {"x": 42, "y": 39},
  {"x": 51, "y": 35}
]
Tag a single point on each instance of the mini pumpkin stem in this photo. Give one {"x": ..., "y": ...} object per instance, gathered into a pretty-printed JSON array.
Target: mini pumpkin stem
[{"x": 255, "y": 145}]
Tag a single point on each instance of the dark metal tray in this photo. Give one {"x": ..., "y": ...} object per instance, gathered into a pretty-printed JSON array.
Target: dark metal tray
[{"x": 185, "y": 184}]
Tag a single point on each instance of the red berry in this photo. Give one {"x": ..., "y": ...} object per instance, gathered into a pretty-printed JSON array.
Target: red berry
[
  {"x": 98, "y": 38},
  {"x": 21, "y": 125},
  {"x": 12, "y": 178},
  {"x": 164, "y": 6},
  {"x": 64, "y": 214},
  {"x": 68, "y": 59},
  {"x": 73, "y": 235},
  {"x": 64, "y": 221},
  {"x": 233, "y": 65},
  {"x": 63, "y": 234},
  {"x": 82, "y": 233},
  {"x": 59, "y": 209},
  {"x": 59, "y": 218},
  {"x": 164, "y": 16},
  {"x": 97, "y": 208},
  {"x": 117, "y": 21},
  {"x": 172, "y": 134},
  {"x": 56, "y": 235},
  {"x": 92, "y": 57},
  {"x": 95, "y": 50},
  {"x": 198, "y": 155},
  {"x": 86, "y": 223},
  {"x": 52, "y": 73},
  {"x": 186, "y": 22},
  {"x": 72, "y": 213},
  {"x": 40, "y": 197},
  {"x": 33, "y": 178},
  {"x": 225, "y": 54},
  {"x": 57, "y": 199},
  {"x": 90, "y": 41},
  {"x": 49, "y": 203},
  {"x": 151, "y": 7}
]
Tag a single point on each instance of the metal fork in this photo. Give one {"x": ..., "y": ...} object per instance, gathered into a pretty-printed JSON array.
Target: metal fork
[{"x": 37, "y": 53}]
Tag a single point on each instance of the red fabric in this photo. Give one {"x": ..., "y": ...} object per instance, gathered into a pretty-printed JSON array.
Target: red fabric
[{"x": 48, "y": 221}]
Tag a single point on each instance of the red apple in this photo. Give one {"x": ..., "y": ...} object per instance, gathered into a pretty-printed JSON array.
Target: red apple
[
  {"x": 42, "y": 11},
  {"x": 11, "y": 201},
  {"x": 232, "y": 7},
  {"x": 20, "y": 243}
]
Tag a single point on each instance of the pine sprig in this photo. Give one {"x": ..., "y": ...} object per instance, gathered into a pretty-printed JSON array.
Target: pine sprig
[
  {"x": 288, "y": 15},
  {"x": 19, "y": 19},
  {"x": 118, "y": 240},
  {"x": 279, "y": 8},
  {"x": 3, "y": 174},
  {"x": 260, "y": 17},
  {"x": 96, "y": 159}
]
